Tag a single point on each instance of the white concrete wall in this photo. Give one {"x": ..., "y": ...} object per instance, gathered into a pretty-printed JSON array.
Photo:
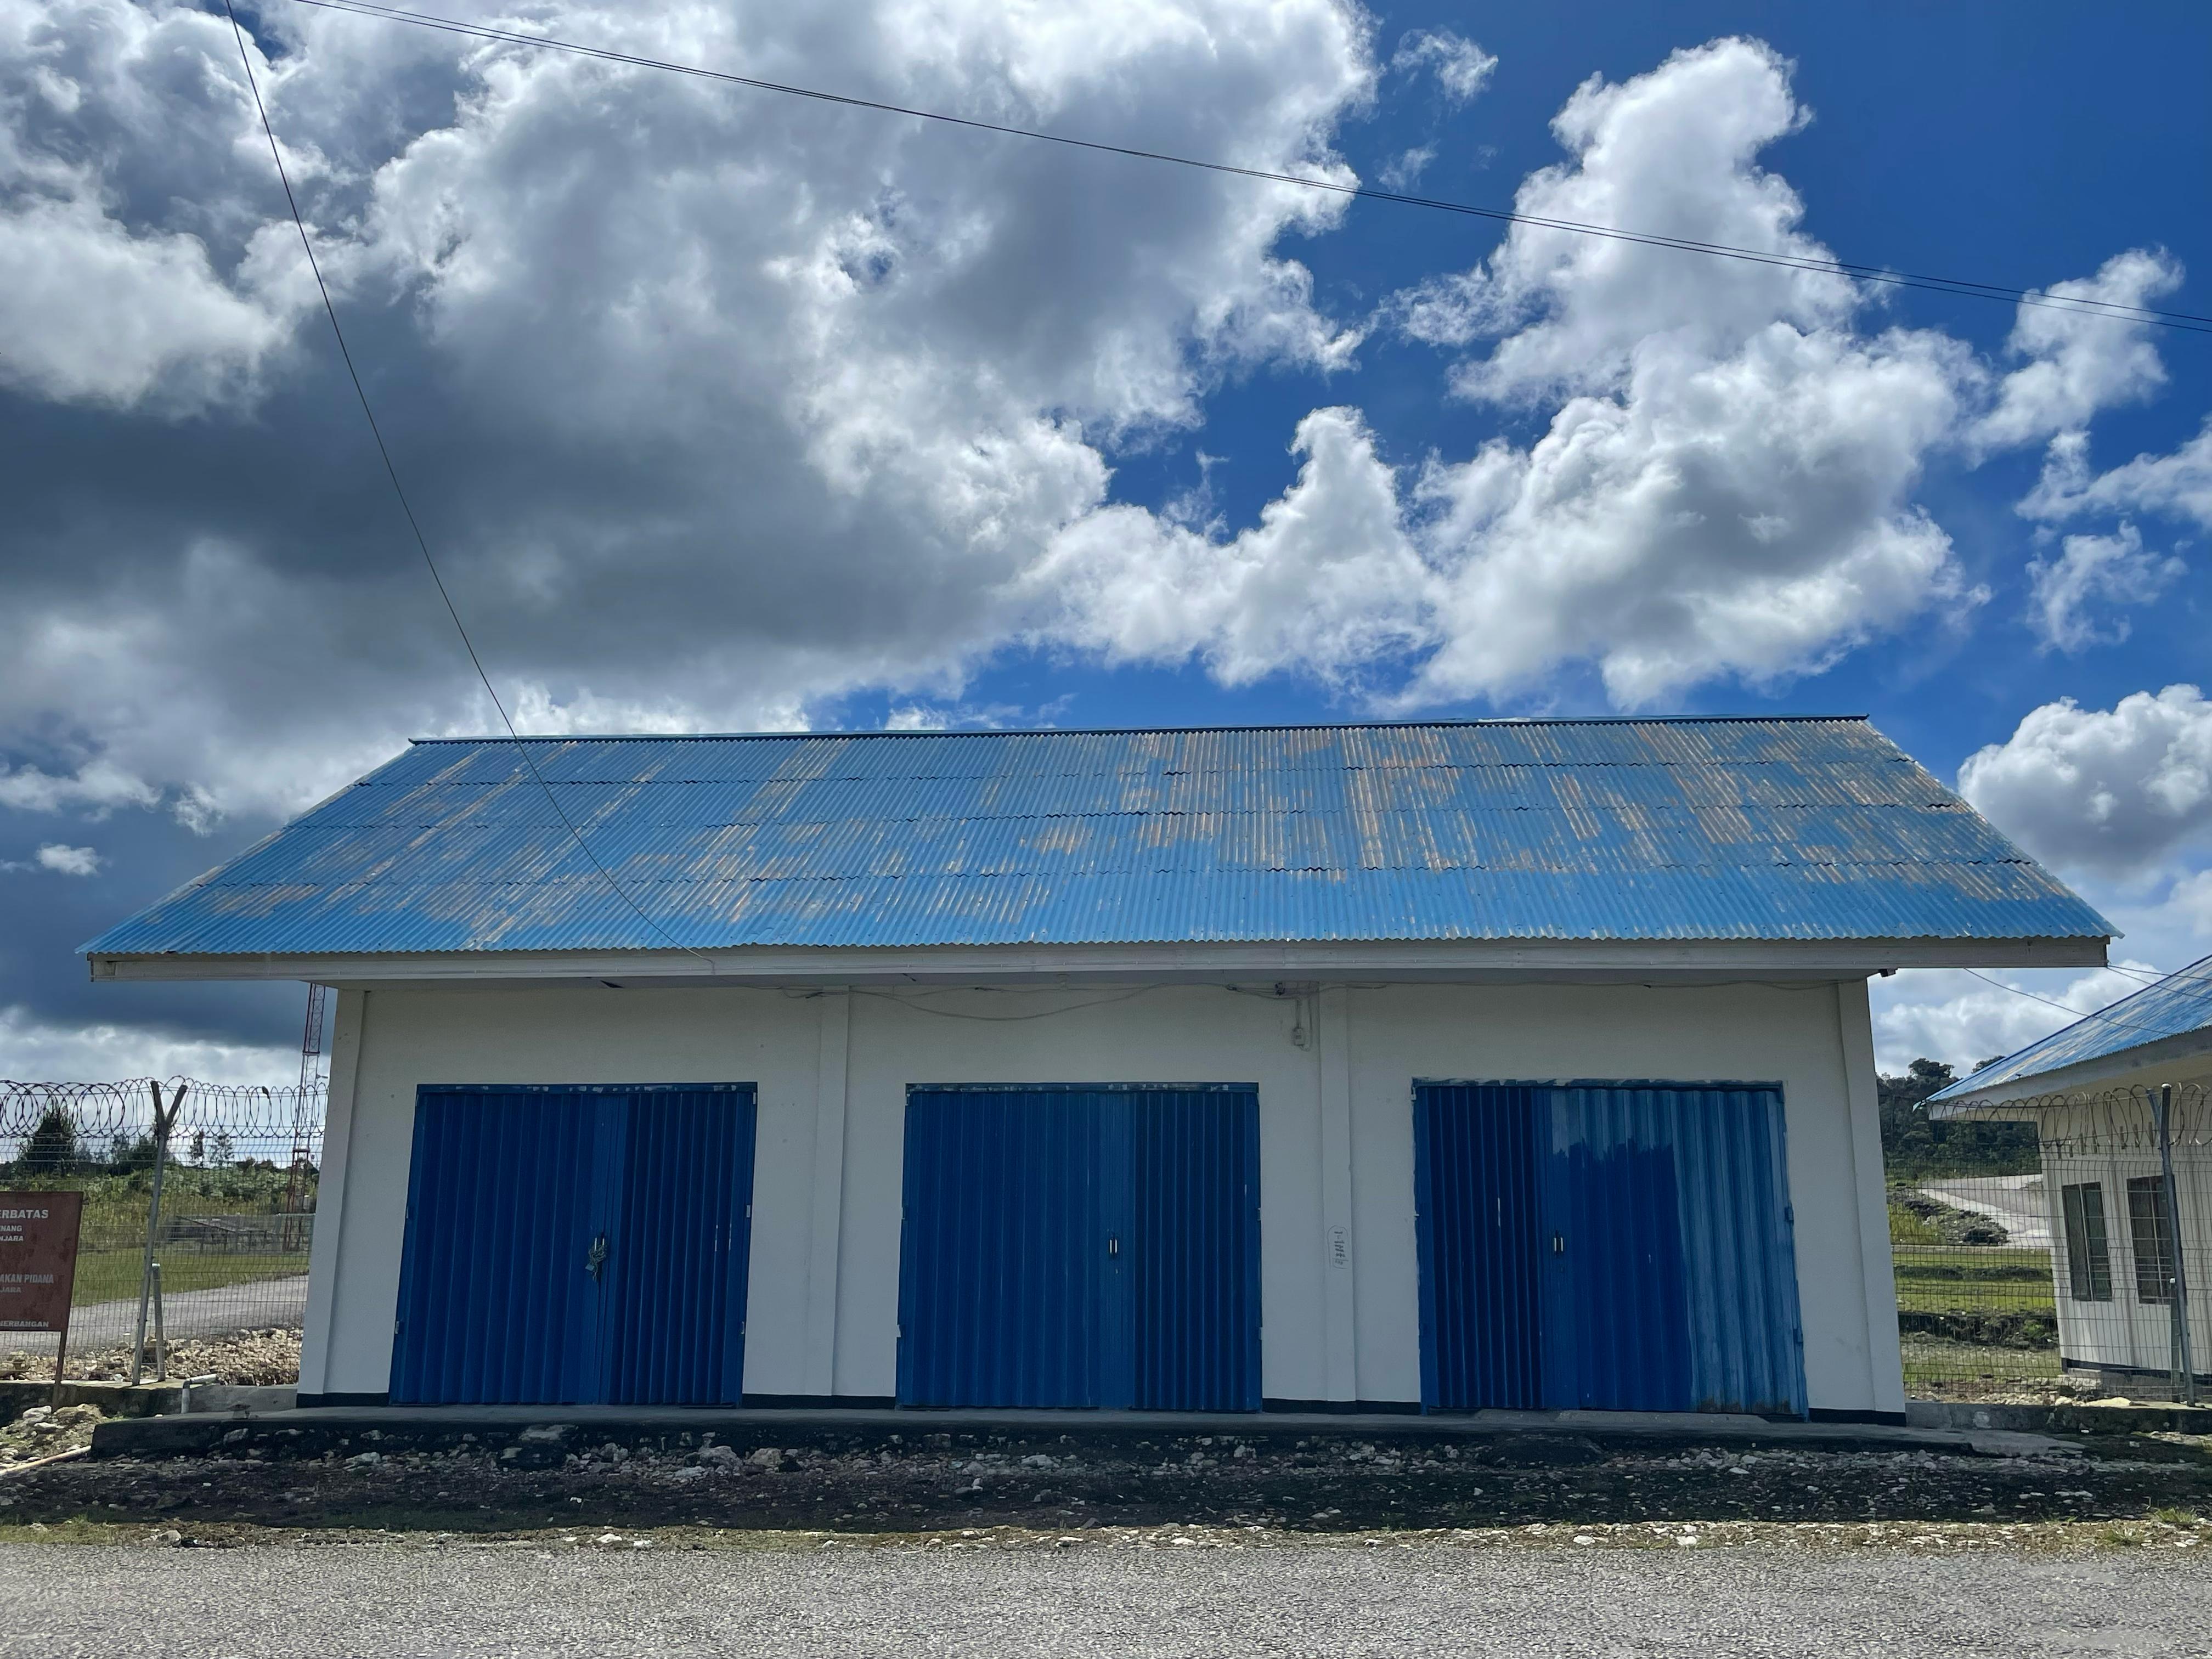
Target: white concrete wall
[
  {"x": 2128, "y": 1331},
  {"x": 1338, "y": 1270}
]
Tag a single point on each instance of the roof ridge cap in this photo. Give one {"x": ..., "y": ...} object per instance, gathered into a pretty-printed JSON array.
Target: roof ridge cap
[{"x": 1165, "y": 731}]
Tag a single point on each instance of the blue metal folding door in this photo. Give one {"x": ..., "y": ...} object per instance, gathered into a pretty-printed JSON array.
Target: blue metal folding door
[
  {"x": 1194, "y": 1249},
  {"x": 575, "y": 1245},
  {"x": 1081, "y": 1247},
  {"x": 1616, "y": 1329},
  {"x": 678, "y": 1264},
  {"x": 1477, "y": 1229},
  {"x": 1003, "y": 1259},
  {"x": 1606, "y": 1246},
  {"x": 1679, "y": 1277},
  {"x": 506, "y": 1193}
]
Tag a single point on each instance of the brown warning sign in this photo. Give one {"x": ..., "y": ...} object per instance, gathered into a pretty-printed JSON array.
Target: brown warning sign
[{"x": 38, "y": 1259}]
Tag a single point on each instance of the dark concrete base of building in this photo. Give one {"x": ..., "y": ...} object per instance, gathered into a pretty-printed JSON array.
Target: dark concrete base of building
[
  {"x": 1974, "y": 1417},
  {"x": 543, "y": 1435},
  {"x": 114, "y": 1399}
]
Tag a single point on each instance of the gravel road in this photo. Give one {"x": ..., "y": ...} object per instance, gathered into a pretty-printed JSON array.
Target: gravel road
[
  {"x": 394, "y": 1602},
  {"x": 251, "y": 1304}
]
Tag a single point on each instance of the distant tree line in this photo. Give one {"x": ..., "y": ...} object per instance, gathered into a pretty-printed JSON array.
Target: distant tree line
[
  {"x": 1917, "y": 1146},
  {"x": 55, "y": 1148}
]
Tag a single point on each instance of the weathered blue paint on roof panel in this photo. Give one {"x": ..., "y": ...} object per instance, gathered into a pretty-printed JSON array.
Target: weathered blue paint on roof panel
[
  {"x": 2178, "y": 1004},
  {"x": 1623, "y": 830}
]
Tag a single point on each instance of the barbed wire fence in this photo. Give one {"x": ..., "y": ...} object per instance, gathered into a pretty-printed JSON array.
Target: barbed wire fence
[
  {"x": 2090, "y": 1277},
  {"x": 220, "y": 1267}
]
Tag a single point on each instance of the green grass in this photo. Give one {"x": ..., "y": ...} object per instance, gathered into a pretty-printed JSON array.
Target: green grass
[
  {"x": 1936, "y": 1370},
  {"x": 115, "y": 1205},
  {"x": 111, "y": 1239},
  {"x": 113, "y": 1275},
  {"x": 1906, "y": 1228},
  {"x": 1974, "y": 1279}
]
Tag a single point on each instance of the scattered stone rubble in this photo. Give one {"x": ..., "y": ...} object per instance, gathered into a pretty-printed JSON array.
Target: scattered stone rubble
[
  {"x": 44, "y": 1431},
  {"x": 243, "y": 1357},
  {"x": 2158, "y": 1532},
  {"x": 848, "y": 1487},
  {"x": 2070, "y": 1389}
]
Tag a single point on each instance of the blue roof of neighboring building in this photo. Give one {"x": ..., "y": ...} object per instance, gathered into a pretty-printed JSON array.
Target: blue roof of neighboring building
[
  {"x": 2176, "y": 1004},
  {"x": 1738, "y": 829}
]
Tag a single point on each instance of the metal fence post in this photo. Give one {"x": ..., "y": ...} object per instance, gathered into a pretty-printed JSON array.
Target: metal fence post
[
  {"x": 160, "y": 1332},
  {"x": 163, "y": 1122},
  {"x": 2185, "y": 1367}
]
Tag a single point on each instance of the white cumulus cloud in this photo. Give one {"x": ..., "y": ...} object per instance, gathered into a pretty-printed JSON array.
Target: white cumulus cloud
[
  {"x": 2079, "y": 362},
  {"x": 2177, "y": 485},
  {"x": 2119, "y": 801},
  {"x": 65, "y": 860},
  {"x": 2094, "y": 571},
  {"x": 1945, "y": 1014},
  {"x": 98, "y": 785},
  {"x": 35, "y": 1050},
  {"x": 1462, "y": 69},
  {"x": 132, "y": 284},
  {"x": 1725, "y": 485},
  {"x": 1328, "y": 580},
  {"x": 2119, "y": 791},
  {"x": 793, "y": 397}
]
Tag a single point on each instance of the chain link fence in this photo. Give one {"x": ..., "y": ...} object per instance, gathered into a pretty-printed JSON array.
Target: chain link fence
[
  {"x": 2087, "y": 1277},
  {"x": 224, "y": 1262}
]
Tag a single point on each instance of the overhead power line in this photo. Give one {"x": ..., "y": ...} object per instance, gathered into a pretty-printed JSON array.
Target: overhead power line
[
  {"x": 414, "y": 525},
  {"x": 2105, "y": 1015},
  {"x": 2062, "y": 1007},
  {"x": 2183, "y": 321},
  {"x": 2138, "y": 973}
]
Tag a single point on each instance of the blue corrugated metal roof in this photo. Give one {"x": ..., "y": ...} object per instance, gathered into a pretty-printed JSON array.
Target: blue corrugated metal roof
[
  {"x": 1535, "y": 829},
  {"x": 2180, "y": 1003}
]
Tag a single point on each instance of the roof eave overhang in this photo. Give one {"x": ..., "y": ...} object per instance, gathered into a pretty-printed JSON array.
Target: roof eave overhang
[
  {"x": 2024, "y": 1097},
  {"x": 1410, "y": 960}
]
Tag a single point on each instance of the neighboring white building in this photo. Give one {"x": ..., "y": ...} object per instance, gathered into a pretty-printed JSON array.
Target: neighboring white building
[
  {"x": 1442, "y": 1065},
  {"x": 2094, "y": 1091}
]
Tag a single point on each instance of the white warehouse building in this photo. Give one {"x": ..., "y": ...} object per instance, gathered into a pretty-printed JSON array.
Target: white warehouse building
[
  {"x": 1437, "y": 1066},
  {"x": 2121, "y": 1104}
]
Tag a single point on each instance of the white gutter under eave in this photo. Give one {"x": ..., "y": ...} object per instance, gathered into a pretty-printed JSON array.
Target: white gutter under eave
[{"x": 1448, "y": 959}]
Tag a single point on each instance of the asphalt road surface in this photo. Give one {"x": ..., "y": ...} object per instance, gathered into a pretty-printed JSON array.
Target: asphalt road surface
[
  {"x": 2014, "y": 1202},
  {"x": 395, "y": 1600},
  {"x": 249, "y": 1305}
]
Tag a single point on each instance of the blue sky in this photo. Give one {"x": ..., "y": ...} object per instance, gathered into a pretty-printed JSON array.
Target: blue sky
[
  {"x": 2015, "y": 145},
  {"x": 727, "y": 413}
]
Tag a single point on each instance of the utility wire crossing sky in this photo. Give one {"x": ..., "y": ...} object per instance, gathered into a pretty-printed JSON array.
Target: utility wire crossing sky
[
  {"x": 391, "y": 471},
  {"x": 2186, "y": 322},
  {"x": 2181, "y": 320},
  {"x": 709, "y": 414}
]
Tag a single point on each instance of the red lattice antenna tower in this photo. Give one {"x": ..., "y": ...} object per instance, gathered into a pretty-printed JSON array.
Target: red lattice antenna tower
[{"x": 314, "y": 1064}]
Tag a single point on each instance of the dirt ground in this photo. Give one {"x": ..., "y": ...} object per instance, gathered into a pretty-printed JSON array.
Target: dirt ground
[{"x": 930, "y": 1484}]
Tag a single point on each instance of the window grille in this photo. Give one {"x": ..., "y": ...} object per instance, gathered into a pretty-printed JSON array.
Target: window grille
[
  {"x": 2089, "y": 1252},
  {"x": 2150, "y": 1229}
]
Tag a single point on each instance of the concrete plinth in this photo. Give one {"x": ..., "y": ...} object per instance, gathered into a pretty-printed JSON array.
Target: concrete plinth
[{"x": 543, "y": 1435}]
